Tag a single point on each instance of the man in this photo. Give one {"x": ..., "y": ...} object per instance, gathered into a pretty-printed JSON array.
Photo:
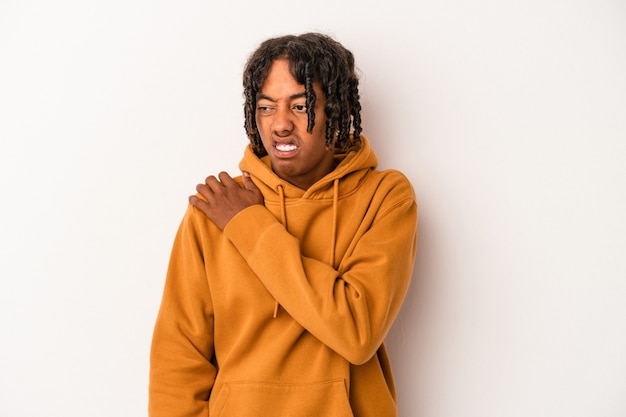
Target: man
[{"x": 284, "y": 282}]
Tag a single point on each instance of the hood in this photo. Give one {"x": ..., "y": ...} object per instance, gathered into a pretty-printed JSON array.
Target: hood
[{"x": 350, "y": 170}]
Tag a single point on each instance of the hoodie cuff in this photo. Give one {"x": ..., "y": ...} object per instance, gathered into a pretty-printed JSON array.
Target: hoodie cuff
[{"x": 248, "y": 226}]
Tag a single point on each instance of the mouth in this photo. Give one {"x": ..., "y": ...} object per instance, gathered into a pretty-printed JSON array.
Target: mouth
[{"x": 285, "y": 150}]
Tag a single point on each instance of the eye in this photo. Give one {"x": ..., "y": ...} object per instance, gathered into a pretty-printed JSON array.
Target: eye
[
  {"x": 264, "y": 109},
  {"x": 299, "y": 108}
]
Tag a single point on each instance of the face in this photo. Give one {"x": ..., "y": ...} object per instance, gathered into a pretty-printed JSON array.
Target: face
[{"x": 297, "y": 156}]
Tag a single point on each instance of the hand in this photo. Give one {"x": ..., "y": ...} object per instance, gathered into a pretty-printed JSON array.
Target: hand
[{"x": 226, "y": 198}]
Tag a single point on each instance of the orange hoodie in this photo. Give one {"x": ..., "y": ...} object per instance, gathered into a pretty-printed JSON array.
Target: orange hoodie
[{"x": 284, "y": 313}]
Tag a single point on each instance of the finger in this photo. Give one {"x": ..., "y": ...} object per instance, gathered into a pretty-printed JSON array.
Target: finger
[
  {"x": 198, "y": 203},
  {"x": 213, "y": 183},
  {"x": 205, "y": 191},
  {"x": 227, "y": 180},
  {"x": 247, "y": 182}
]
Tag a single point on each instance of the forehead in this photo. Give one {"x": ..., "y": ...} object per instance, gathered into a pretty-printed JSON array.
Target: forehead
[
  {"x": 280, "y": 83},
  {"x": 279, "y": 78}
]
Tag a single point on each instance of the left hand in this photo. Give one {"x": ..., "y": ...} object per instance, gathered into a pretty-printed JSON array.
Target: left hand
[{"x": 225, "y": 198}]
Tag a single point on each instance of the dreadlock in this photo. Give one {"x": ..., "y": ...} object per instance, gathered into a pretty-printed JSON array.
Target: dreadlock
[{"x": 312, "y": 57}]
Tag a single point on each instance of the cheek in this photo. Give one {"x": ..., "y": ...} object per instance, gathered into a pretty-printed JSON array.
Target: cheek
[{"x": 261, "y": 126}]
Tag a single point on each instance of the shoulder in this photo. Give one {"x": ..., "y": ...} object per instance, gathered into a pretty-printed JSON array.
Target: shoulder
[
  {"x": 196, "y": 224},
  {"x": 392, "y": 181}
]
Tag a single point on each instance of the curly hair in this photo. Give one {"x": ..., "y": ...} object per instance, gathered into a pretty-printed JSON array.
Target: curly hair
[{"x": 313, "y": 57}]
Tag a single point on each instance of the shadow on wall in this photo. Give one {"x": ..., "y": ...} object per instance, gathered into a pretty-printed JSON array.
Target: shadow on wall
[{"x": 411, "y": 340}]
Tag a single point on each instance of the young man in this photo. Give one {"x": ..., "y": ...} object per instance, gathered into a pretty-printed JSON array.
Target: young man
[{"x": 284, "y": 282}]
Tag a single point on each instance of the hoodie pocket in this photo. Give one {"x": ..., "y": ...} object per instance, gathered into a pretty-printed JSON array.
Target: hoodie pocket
[{"x": 253, "y": 399}]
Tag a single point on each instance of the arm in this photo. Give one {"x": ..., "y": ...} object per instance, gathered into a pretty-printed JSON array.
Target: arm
[
  {"x": 350, "y": 309},
  {"x": 181, "y": 371}
]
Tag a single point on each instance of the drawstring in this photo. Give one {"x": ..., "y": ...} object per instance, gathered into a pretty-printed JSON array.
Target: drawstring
[
  {"x": 283, "y": 216},
  {"x": 334, "y": 231},
  {"x": 283, "y": 209}
]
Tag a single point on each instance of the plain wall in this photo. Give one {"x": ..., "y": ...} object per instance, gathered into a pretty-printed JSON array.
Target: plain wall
[{"x": 509, "y": 118}]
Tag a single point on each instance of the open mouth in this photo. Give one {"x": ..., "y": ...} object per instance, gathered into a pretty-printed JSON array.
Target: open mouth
[
  {"x": 285, "y": 150},
  {"x": 286, "y": 147}
]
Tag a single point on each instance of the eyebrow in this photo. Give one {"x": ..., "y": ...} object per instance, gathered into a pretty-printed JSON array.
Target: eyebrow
[{"x": 262, "y": 96}]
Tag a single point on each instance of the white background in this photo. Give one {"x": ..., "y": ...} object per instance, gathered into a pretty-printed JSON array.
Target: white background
[{"x": 509, "y": 118}]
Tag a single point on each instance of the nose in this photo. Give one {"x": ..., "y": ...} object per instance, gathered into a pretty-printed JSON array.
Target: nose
[{"x": 282, "y": 124}]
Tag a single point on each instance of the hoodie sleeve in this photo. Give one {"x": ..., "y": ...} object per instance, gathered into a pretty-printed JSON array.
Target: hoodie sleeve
[
  {"x": 350, "y": 309},
  {"x": 181, "y": 370}
]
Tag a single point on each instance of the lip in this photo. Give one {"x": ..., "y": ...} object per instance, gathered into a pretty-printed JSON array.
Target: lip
[{"x": 285, "y": 153}]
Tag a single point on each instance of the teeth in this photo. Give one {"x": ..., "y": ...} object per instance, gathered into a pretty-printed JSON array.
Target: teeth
[{"x": 286, "y": 147}]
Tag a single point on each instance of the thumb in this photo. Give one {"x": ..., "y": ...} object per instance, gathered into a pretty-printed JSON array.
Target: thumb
[{"x": 247, "y": 182}]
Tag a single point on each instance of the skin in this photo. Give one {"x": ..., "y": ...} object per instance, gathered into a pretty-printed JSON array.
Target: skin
[
  {"x": 281, "y": 118},
  {"x": 297, "y": 156}
]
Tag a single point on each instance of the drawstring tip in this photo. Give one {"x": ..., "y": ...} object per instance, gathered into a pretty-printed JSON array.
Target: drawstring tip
[{"x": 275, "y": 310}]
